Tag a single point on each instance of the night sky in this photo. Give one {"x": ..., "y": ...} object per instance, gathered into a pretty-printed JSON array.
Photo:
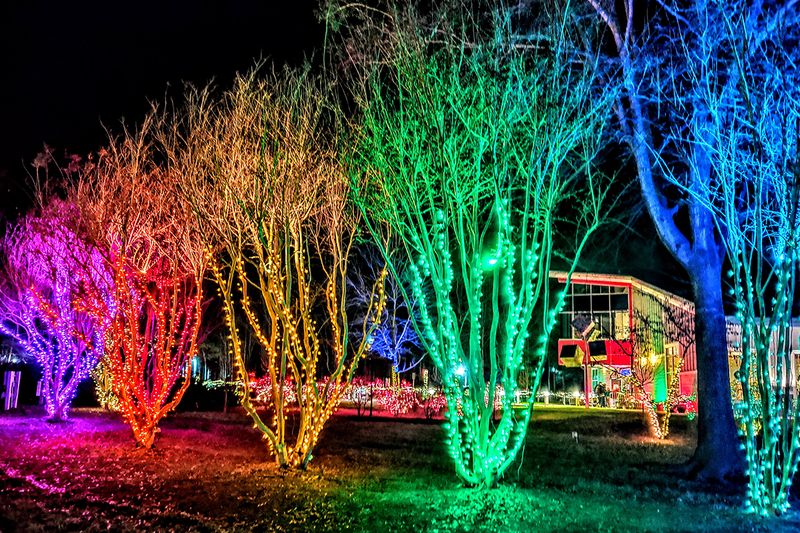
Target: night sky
[{"x": 68, "y": 68}]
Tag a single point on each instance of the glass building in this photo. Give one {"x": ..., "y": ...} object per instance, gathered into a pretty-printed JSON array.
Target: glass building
[{"x": 628, "y": 336}]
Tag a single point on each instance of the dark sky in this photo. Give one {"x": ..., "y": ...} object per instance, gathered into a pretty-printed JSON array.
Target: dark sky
[{"x": 68, "y": 65}]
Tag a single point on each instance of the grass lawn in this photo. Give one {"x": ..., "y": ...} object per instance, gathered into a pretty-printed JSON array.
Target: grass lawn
[{"x": 210, "y": 472}]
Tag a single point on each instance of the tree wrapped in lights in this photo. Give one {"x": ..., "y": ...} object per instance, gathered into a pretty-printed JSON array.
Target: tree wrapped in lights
[
  {"x": 273, "y": 199},
  {"x": 104, "y": 387},
  {"x": 657, "y": 324},
  {"x": 153, "y": 339},
  {"x": 47, "y": 264},
  {"x": 752, "y": 142},
  {"x": 157, "y": 259},
  {"x": 471, "y": 144},
  {"x": 651, "y": 48},
  {"x": 395, "y": 339}
]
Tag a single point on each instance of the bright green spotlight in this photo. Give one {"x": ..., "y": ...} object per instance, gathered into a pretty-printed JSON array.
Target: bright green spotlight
[{"x": 489, "y": 262}]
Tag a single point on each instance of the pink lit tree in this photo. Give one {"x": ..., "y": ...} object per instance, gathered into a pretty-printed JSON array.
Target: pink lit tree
[{"x": 46, "y": 265}]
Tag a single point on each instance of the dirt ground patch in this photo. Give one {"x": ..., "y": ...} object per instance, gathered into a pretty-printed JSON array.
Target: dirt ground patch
[{"x": 211, "y": 472}]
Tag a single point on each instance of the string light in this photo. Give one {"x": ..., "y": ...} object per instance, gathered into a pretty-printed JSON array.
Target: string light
[
  {"x": 48, "y": 263},
  {"x": 290, "y": 341},
  {"x": 151, "y": 341},
  {"x": 757, "y": 202}
]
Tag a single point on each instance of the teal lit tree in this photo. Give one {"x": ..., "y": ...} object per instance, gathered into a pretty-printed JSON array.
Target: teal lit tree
[
  {"x": 751, "y": 139},
  {"x": 471, "y": 146}
]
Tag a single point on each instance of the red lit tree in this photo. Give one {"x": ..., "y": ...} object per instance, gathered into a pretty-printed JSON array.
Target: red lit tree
[
  {"x": 157, "y": 259},
  {"x": 152, "y": 338}
]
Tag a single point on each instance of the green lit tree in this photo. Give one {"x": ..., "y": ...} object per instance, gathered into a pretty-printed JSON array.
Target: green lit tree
[{"x": 472, "y": 145}]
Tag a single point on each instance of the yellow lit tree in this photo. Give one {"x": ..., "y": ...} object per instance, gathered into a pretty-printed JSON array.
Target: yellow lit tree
[{"x": 263, "y": 175}]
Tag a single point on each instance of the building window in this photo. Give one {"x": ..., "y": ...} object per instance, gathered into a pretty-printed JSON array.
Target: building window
[{"x": 607, "y": 305}]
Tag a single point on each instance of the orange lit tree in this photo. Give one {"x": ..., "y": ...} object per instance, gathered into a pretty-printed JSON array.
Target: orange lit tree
[
  {"x": 261, "y": 169},
  {"x": 158, "y": 260}
]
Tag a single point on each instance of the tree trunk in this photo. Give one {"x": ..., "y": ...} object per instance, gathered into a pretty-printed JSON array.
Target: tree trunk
[
  {"x": 717, "y": 455},
  {"x": 147, "y": 437},
  {"x": 58, "y": 412}
]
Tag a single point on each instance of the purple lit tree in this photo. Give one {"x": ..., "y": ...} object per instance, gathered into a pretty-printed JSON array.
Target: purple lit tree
[{"x": 45, "y": 267}]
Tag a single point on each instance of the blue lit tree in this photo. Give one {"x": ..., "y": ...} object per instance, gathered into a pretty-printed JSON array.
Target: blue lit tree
[
  {"x": 750, "y": 135},
  {"x": 654, "y": 46},
  {"x": 470, "y": 144},
  {"x": 396, "y": 338}
]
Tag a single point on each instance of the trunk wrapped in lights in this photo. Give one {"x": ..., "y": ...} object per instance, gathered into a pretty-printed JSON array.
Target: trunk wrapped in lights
[
  {"x": 151, "y": 342},
  {"x": 47, "y": 263},
  {"x": 132, "y": 201},
  {"x": 749, "y": 129},
  {"x": 264, "y": 178},
  {"x": 470, "y": 148}
]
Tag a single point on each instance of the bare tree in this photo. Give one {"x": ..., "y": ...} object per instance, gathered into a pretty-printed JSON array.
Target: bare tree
[
  {"x": 469, "y": 144},
  {"x": 656, "y": 324},
  {"x": 396, "y": 338},
  {"x": 262, "y": 171},
  {"x": 746, "y": 67},
  {"x": 650, "y": 42},
  {"x": 153, "y": 248},
  {"x": 46, "y": 264}
]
